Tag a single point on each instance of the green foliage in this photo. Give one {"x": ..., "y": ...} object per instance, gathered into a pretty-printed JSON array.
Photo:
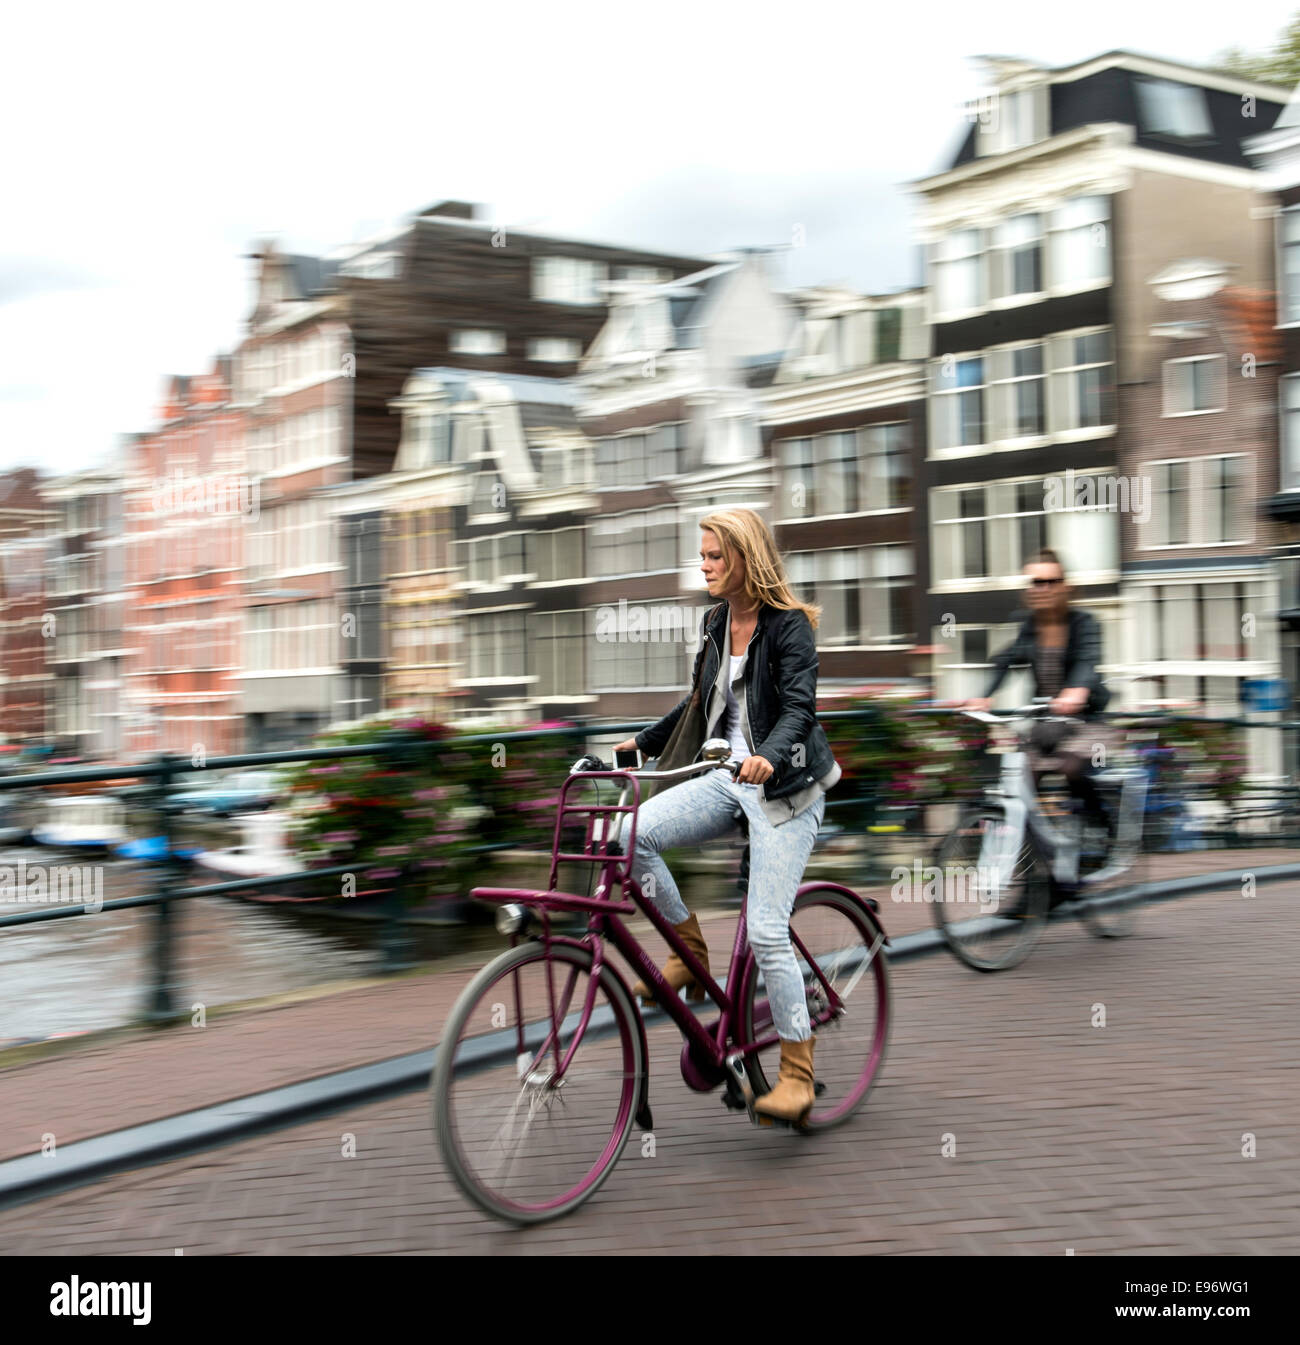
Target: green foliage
[{"x": 1279, "y": 66}]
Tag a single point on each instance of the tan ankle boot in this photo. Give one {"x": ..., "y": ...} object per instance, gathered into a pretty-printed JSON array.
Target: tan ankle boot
[
  {"x": 793, "y": 1096},
  {"x": 675, "y": 971}
]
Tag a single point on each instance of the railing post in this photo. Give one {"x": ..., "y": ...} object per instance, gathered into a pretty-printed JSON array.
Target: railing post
[
  {"x": 162, "y": 999},
  {"x": 394, "y": 943}
]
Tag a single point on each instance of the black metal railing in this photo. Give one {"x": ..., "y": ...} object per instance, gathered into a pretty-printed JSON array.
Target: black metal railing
[{"x": 1278, "y": 802}]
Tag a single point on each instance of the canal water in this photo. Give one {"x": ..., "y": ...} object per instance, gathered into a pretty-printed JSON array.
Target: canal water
[{"x": 89, "y": 972}]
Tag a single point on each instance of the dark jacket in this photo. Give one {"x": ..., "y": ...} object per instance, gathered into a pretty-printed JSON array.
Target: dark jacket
[
  {"x": 1082, "y": 654},
  {"x": 780, "y": 696}
]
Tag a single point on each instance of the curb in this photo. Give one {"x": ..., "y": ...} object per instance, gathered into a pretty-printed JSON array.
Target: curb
[{"x": 36, "y": 1176}]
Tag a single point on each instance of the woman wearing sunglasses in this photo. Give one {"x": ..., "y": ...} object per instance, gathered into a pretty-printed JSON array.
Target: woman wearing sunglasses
[{"x": 1062, "y": 646}]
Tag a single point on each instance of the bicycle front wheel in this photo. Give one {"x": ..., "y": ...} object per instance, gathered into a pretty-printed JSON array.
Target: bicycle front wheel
[
  {"x": 990, "y": 912},
  {"x": 839, "y": 948},
  {"x": 530, "y": 1118}
]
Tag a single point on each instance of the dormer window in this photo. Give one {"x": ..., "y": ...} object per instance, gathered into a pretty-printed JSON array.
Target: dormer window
[
  {"x": 1176, "y": 111},
  {"x": 1011, "y": 119},
  {"x": 477, "y": 341}
]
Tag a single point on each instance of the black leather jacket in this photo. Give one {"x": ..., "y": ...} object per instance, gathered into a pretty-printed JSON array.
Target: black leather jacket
[
  {"x": 780, "y": 697},
  {"x": 1082, "y": 654}
]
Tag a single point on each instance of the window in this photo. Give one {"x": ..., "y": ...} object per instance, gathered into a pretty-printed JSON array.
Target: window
[
  {"x": 489, "y": 496},
  {"x": 555, "y": 646},
  {"x": 643, "y": 275},
  {"x": 641, "y": 646},
  {"x": 846, "y": 471},
  {"x": 1174, "y": 110},
  {"x": 1289, "y": 265},
  {"x": 957, "y": 402},
  {"x": 1291, "y": 432},
  {"x": 477, "y": 341},
  {"x": 1013, "y": 120},
  {"x": 990, "y": 531},
  {"x": 837, "y": 471},
  {"x": 864, "y": 593},
  {"x": 630, "y": 460},
  {"x": 496, "y": 646},
  {"x": 1199, "y": 501},
  {"x": 1017, "y": 259},
  {"x": 639, "y": 543},
  {"x": 959, "y": 272},
  {"x": 558, "y": 555},
  {"x": 886, "y": 454},
  {"x": 1080, "y": 243},
  {"x": 554, "y": 349},
  {"x": 1083, "y": 381},
  {"x": 1191, "y": 622},
  {"x": 1224, "y": 491},
  {"x": 1195, "y": 385},
  {"x": 1017, "y": 392},
  {"x": 568, "y": 280},
  {"x": 503, "y": 559}
]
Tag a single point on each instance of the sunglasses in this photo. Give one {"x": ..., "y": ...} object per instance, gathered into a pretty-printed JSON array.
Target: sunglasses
[{"x": 1045, "y": 583}]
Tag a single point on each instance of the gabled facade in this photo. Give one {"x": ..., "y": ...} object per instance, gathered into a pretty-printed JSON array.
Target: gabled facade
[
  {"x": 844, "y": 425},
  {"x": 486, "y": 525},
  {"x": 187, "y": 499},
  {"x": 1072, "y": 190},
  {"x": 669, "y": 397}
]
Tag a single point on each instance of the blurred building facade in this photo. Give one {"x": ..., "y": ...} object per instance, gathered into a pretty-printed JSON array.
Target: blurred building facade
[
  {"x": 1055, "y": 379},
  {"x": 86, "y": 597},
  {"x": 188, "y": 499},
  {"x": 26, "y": 690},
  {"x": 844, "y": 423}
]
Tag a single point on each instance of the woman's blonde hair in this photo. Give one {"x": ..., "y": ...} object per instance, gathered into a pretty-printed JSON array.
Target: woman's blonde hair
[{"x": 741, "y": 530}]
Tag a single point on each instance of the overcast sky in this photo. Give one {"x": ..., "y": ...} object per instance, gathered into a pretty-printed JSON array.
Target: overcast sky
[{"x": 147, "y": 148}]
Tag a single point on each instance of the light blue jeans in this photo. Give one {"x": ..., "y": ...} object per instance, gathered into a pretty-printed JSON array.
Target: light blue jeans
[{"x": 709, "y": 806}]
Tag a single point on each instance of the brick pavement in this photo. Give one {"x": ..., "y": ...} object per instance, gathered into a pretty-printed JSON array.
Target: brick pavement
[
  {"x": 91, "y": 1087},
  {"x": 1104, "y": 1139}
]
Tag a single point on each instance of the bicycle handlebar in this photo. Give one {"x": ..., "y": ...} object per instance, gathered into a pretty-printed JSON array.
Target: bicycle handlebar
[{"x": 592, "y": 763}]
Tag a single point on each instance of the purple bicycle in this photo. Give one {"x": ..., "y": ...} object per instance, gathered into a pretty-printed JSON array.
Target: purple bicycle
[{"x": 543, "y": 1067}]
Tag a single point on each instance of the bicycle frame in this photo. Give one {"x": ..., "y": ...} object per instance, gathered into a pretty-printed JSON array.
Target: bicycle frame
[
  {"x": 1017, "y": 795},
  {"x": 710, "y": 1044}
]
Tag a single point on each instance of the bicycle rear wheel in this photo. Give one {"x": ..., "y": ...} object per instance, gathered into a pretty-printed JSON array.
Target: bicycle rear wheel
[
  {"x": 837, "y": 944},
  {"x": 989, "y": 913},
  {"x": 529, "y": 1126}
]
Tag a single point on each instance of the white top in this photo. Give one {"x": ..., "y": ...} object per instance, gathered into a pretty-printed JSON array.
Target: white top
[{"x": 731, "y": 720}]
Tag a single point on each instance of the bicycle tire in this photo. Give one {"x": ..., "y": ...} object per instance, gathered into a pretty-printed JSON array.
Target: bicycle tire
[
  {"x": 624, "y": 1027},
  {"x": 860, "y": 917},
  {"x": 993, "y": 941}
]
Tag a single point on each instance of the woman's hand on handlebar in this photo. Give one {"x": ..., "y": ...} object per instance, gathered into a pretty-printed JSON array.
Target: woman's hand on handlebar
[
  {"x": 981, "y": 703},
  {"x": 754, "y": 770},
  {"x": 1070, "y": 701}
]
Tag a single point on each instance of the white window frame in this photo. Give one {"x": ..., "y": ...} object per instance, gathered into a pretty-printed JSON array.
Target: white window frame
[
  {"x": 1059, "y": 229},
  {"x": 546, "y": 349},
  {"x": 476, "y": 341},
  {"x": 1220, "y": 385},
  {"x": 1198, "y": 501},
  {"x": 935, "y": 392}
]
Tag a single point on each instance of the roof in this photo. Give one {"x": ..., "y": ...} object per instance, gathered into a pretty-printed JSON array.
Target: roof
[{"x": 526, "y": 389}]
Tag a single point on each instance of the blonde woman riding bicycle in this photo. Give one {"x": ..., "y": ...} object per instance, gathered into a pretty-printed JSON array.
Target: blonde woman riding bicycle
[{"x": 757, "y": 676}]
